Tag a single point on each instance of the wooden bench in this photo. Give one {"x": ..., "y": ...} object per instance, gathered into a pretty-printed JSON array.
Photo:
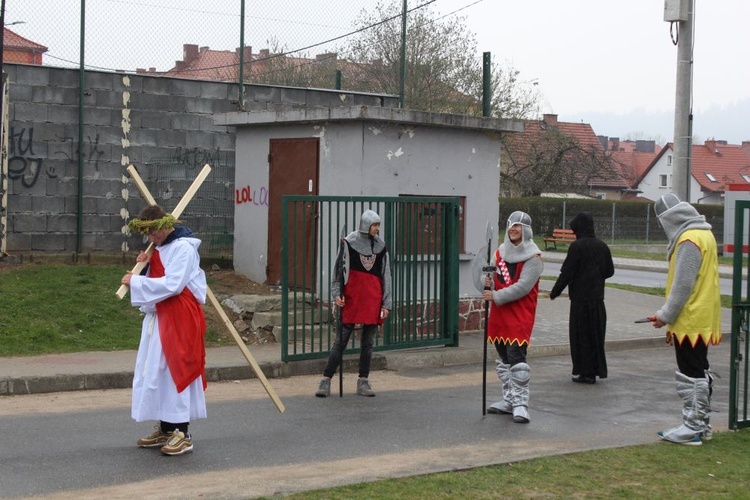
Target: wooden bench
[{"x": 566, "y": 236}]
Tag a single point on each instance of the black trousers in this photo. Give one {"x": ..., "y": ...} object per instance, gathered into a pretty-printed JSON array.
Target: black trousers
[
  {"x": 339, "y": 346},
  {"x": 511, "y": 354},
  {"x": 691, "y": 361}
]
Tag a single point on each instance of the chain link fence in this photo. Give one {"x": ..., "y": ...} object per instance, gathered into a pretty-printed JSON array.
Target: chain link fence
[
  {"x": 128, "y": 35},
  {"x": 620, "y": 222}
]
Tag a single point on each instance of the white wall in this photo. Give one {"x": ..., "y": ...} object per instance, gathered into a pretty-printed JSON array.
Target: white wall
[{"x": 651, "y": 189}]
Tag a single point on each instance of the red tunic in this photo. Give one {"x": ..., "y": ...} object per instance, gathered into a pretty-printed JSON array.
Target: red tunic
[
  {"x": 512, "y": 322},
  {"x": 363, "y": 293},
  {"x": 182, "y": 326}
]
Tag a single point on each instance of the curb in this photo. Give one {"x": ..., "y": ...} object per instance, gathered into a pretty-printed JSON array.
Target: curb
[{"x": 393, "y": 360}]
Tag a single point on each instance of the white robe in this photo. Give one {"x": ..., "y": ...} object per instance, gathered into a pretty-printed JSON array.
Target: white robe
[{"x": 155, "y": 395}]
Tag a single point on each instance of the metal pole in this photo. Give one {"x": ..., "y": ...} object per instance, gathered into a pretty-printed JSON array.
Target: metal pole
[
  {"x": 402, "y": 92},
  {"x": 81, "y": 93},
  {"x": 614, "y": 218},
  {"x": 2, "y": 45},
  {"x": 241, "y": 97},
  {"x": 683, "y": 104},
  {"x": 486, "y": 83}
]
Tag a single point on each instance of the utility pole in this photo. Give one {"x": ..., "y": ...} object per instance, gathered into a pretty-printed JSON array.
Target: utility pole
[
  {"x": 681, "y": 13},
  {"x": 402, "y": 91}
]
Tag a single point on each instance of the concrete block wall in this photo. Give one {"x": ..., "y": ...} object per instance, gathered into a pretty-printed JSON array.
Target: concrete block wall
[{"x": 138, "y": 119}]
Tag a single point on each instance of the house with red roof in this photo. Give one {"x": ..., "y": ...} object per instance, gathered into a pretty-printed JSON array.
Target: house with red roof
[
  {"x": 204, "y": 63},
  {"x": 17, "y": 49},
  {"x": 714, "y": 165},
  {"x": 549, "y": 150},
  {"x": 631, "y": 159}
]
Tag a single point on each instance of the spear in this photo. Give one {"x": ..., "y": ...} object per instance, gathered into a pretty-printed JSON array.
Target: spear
[
  {"x": 480, "y": 270},
  {"x": 488, "y": 237}
]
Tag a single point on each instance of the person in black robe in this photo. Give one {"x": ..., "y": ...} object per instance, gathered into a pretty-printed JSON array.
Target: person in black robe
[{"x": 587, "y": 265}]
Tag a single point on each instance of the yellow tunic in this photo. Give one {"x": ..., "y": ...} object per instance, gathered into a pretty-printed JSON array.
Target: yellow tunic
[{"x": 700, "y": 318}]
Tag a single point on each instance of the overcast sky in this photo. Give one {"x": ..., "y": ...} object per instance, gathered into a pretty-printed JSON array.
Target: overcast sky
[
  {"x": 598, "y": 59},
  {"x": 611, "y": 64}
]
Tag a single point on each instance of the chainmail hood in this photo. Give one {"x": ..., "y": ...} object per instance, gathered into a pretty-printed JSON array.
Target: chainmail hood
[
  {"x": 361, "y": 241},
  {"x": 676, "y": 217},
  {"x": 527, "y": 248}
]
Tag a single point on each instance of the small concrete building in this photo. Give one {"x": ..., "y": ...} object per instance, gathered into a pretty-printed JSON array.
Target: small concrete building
[{"x": 360, "y": 151}]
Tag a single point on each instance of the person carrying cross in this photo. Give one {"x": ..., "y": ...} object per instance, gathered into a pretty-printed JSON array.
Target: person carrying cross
[{"x": 169, "y": 380}]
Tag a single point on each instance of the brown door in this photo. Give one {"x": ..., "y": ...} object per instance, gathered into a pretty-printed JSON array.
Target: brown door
[{"x": 293, "y": 169}]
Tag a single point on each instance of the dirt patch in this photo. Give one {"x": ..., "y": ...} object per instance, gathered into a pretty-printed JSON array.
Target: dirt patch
[{"x": 226, "y": 283}]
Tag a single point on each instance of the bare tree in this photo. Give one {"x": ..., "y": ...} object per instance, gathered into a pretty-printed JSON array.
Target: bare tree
[
  {"x": 552, "y": 162},
  {"x": 443, "y": 65}
]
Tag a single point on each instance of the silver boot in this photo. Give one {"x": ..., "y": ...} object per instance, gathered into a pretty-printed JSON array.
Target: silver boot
[
  {"x": 707, "y": 431},
  {"x": 504, "y": 405},
  {"x": 520, "y": 375},
  {"x": 694, "y": 394}
]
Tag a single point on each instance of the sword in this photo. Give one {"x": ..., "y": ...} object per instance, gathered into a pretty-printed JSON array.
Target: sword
[{"x": 339, "y": 311}]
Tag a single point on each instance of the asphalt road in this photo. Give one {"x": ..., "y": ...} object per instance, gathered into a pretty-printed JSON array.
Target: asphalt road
[
  {"x": 637, "y": 277},
  {"x": 82, "y": 444}
]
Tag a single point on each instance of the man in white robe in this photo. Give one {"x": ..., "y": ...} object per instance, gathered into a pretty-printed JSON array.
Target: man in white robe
[{"x": 169, "y": 380}]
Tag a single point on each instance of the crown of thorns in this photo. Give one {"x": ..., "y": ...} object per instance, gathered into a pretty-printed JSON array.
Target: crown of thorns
[{"x": 144, "y": 226}]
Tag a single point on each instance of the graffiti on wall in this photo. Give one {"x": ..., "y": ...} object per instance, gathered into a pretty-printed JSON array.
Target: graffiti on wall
[
  {"x": 92, "y": 153},
  {"x": 197, "y": 157},
  {"x": 23, "y": 164},
  {"x": 248, "y": 195}
]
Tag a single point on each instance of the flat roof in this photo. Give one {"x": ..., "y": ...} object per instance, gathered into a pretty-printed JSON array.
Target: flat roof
[{"x": 290, "y": 116}]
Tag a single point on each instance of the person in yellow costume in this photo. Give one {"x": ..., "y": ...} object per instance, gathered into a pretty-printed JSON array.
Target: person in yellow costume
[{"x": 691, "y": 313}]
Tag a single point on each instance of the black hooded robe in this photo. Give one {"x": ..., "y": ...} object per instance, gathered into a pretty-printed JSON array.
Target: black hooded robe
[{"x": 587, "y": 265}]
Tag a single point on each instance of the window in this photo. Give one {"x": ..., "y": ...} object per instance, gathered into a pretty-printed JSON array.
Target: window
[
  {"x": 427, "y": 218},
  {"x": 710, "y": 177},
  {"x": 665, "y": 180},
  {"x": 669, "y": 160},
  {"x": 746, "y": 177},
  {"x": 601, "y": 196}
]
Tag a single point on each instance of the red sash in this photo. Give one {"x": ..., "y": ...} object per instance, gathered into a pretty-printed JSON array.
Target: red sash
[{"x": 182, "y": 326}]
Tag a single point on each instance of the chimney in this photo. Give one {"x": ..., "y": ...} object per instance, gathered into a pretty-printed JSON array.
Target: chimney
[
  {"x": 604, "y": 141},
  {"x": 248, "y": 53},
  {"x": 550, "y": 120},
  {"x": 328, "y": 55},
  {"x": 615, "y": 143},
  {"x": 189, "y": 52},
  {"x": 645, "y": 146}
]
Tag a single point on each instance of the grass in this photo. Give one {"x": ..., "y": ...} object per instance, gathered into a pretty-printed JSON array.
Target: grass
[
  {"x": 719, "y": 468},
  {"x": 58, "y": 308}
]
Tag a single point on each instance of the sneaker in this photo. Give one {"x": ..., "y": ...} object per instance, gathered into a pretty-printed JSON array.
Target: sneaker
[
  {"x": 157, "y": 438},
  {"x": 364, "y": 389},
  {"x": 178, "y": 444},
  {"x": 324, "y": 389}
]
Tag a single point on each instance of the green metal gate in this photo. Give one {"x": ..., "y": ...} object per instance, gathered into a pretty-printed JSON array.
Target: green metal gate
[
  {"x": 738, "y": 383},
  {"x": 421, "y": 234}
]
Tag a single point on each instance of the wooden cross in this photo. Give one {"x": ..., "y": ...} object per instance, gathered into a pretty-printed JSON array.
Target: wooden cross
[{"x": 211, "y": 297}]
